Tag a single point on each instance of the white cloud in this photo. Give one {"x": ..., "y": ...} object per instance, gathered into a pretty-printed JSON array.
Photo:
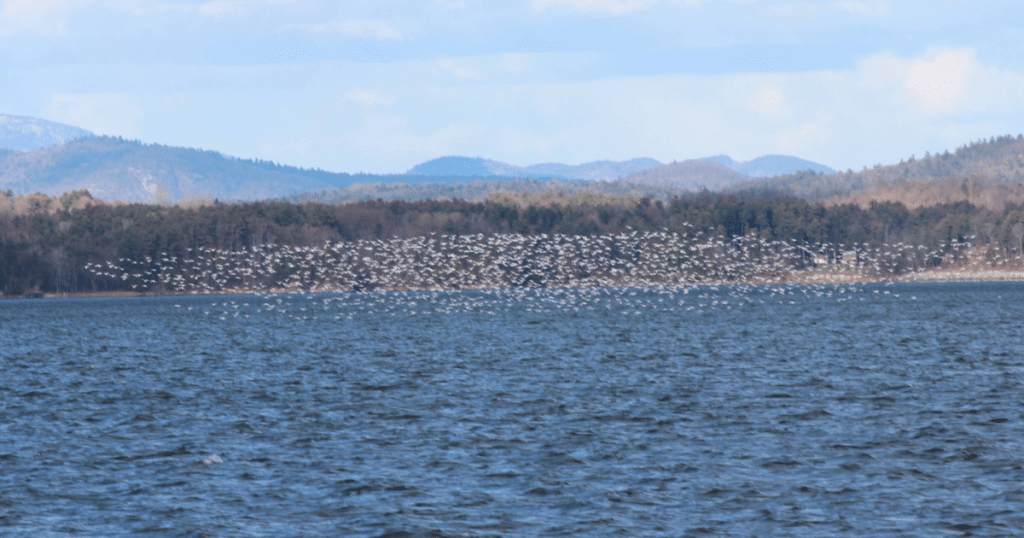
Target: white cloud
[
  {"x": 461, "y": 68},
  {"x": 48, "y": 18},
  {"x": 698, "y": 3},
  {"x": 607, "y": 7},
  {"x": 862, "y": 9},
  {"x": 376, "y": 30},
  {"x": 111, "y": 114},
  {"x": 368, "y": 98},
  {"x": 804, "y": 12},
  {"x": 943, "y": 82},
  {"x": 797, "y": 139},
  {"x": 176, "y": 103},
  {"x": 516, "y": 63},
  {"x": 619, "y": 7},
  {"x": 218, "y": 8},
  {"x": 487, "y": 67},
  {"x": 880, "y": 110},
  {"x": 386, "y": 139},
  {"x": 769, "y": 103},
  {"x": 883, "y": 109}
]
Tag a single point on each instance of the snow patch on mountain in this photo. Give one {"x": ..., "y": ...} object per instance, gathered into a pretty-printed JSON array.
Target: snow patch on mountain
[{"x": 22, "y": 133}]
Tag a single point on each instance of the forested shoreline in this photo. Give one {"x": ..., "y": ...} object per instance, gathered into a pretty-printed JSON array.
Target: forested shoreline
[{"x": 47, "y": 243}]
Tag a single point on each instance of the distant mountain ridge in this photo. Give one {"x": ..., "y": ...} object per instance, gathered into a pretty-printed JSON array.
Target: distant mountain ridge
[
  {"x": 596, "y": 170},
  {"x": 998, "y": 160},
  {"x": 130, "y": 171},
  {"x": 33, "y": 159},
  {"x": 22, "y": 133},
  {"x": 694, "y": 174},
  {"x": 764, "y": 166},
  {"x": 770, "y": 165},
  {"x": 42, "y": 156},
  {"x": 463, "y": 166},
  {"x": 477, "y": 166}
]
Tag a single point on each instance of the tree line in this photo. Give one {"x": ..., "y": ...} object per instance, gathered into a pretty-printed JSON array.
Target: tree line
[
  {"x": 47, "y": 242},
  {"x": 996, "y": 161}
]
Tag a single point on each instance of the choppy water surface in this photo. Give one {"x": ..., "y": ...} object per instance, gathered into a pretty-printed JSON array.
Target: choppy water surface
[{"x": 867, "y": 411}]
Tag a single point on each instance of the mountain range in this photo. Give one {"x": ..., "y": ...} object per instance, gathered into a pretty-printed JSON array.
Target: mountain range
[
  {"x": 22, "y": 133},
  {"x": 993, "y": 162},
  {"x": 130, "y": 171},
  {"x": 477, "y": 166},
  {"x": 766, "y": 166},
  {"x": 770, "y": 165},
  {"x": 986, "y": 172},
  {"x": 41, "y": 156}
]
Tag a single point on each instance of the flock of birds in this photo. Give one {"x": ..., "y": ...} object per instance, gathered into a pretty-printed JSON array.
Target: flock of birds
[
  {"x": 502, "y": 261},
  {"x": 509, "y": 266}
]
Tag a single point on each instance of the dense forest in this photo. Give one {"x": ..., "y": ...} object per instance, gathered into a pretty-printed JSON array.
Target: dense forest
[
  {"x": 47, "y": 242},
  {"x": 479, "y": 188}
]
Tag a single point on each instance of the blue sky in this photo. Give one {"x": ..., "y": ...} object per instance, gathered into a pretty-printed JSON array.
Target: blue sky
[{"x": 382, "y": 85}]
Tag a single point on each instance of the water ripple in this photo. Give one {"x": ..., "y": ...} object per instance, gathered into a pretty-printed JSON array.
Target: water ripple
[{"x": 489, "y": 414}]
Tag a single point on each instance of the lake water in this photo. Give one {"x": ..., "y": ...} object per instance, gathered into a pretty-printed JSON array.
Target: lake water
[{"x": 787, "y": 411}]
